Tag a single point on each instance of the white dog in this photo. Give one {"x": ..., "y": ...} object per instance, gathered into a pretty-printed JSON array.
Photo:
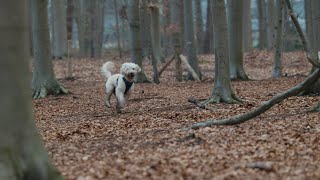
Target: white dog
[{"x": 119, "y": 84}]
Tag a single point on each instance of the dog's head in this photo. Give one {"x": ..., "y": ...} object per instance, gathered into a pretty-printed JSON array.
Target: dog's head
[{"x": 129, "y": 70}]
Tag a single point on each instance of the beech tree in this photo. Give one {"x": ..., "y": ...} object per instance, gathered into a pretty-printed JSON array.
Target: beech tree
[
  {"x": 135, "y": 38},
  {"x": 235, "y": 24},
  {"x": 208, "y": 36},
  {"x": 145, "y": 29},
  {"x": 190, "y": 40},
  {"x": 261, "y": 4},
  {"x": 247, "y": 30},
  {"x": 22, "y": 154},
  {"x": 222, "y": 89},
  {"x": 43, "y": 80},
  {"x": 309, "y": 81},
  {"x": 59, "y": 28},
  {"x": 277, "y": 67},
  {"x": 198, "y": 24}
]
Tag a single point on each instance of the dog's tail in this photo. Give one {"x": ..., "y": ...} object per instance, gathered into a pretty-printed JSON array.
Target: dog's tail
[{"x": 107, "y": 69}]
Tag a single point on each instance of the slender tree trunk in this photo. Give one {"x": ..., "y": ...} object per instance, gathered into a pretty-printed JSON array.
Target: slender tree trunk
[
  {"x": 59, "y": 28},
  {"x": 175, "y": 10},
  {"x": 198, "y": 24},
  {"x": 135, "y": 38},
  {"x": 22, "y": 154},
  {"x": 208, "y": 39},
  {"x": 271, "y": 16},
  {"x": 190, "y": 41},
  {"x": 84, "y": 26},
  {"x": 235, "y": 40},
  {"x": 97, "y": 28},
  {"x": 117, "y": 27},
  {"x": 155, "y": 38},
  {"x": 280, "y": 97},
  {"x": 222, "y": 90},
  {"x": 247, "y": 30},
  {"x": 277, "y": 67},
  {"x": 145, "y": 25},
  {"x": 316, "y": 23},
  {"x": 43, "y": 81},
  {"x": 308, "y": 20},
  {"x": 261, "y": 4}
]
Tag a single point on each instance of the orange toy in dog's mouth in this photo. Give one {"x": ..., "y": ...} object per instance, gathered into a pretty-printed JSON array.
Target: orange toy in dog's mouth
[{"x": 130, "y": 76}]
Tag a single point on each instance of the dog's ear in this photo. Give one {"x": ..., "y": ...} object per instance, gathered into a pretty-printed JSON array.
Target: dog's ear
[
  {"x": 123, "y": 69},
  {"x": 138, "y": 68}
]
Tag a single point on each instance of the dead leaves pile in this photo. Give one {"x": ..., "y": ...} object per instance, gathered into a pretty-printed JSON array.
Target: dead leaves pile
[{"x": 88, "y": 141}]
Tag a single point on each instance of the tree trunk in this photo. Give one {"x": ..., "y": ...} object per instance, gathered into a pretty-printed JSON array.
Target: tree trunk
[
  {"x": 135, "y": 38},
  {"x": 155, "y": 38},
  {"x": 175, "y": 10},
  {"x": 97, "y": 28},
  {"x": 208, "y": 39},
  {"x": 84, "y": 27},
  {"x": 222, "y": 90},
  {"x": 145, "y": 24},
  {"x": 117, "y": 27},
  {"x": 261, "y": 4},
  {"x": 280, "y": 97},
  {"x": 198, "y": 24},
  {"x": 277, "y": 67},
  {"x": 308, "y": 19},
  {"x": 190, "y": 41},
  {"x": 43, "y": 81},
  {"x": 235, "y": 40},
  {"x": 246, "y": 28},
  {"x": 22, "y": 154},
  {"x": 59, "y": 28},
  {"x": 316, "y": 24},
  {"x": 271, "y": 16}
]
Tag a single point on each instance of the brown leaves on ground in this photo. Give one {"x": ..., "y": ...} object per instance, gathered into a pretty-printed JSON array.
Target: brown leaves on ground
[{"x": 88, "y": 141}]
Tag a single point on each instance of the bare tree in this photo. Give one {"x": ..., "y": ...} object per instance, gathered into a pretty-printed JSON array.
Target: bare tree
[
  {"x": 22, "y": 154},
  {"x": 247, "y": 31},
  {"x": 59, "y": 28},
  {"x": 208, "y": 37},
  {"x": 135, "y": 38},
  {"x": 310, "y": 80},
  {"x": 222, "y": 89},
  {"x": 190, "y": 40},
  {"x": 235, "y": 23},
  {"x": 198, "y": 24},
  {"x": 43, "y": 81},
  {"x": 117, "y": 27},
  {"x": 277, "y": 67},
  {"x": 261, "y": 4},
  {"x": 270, "y": 16}
]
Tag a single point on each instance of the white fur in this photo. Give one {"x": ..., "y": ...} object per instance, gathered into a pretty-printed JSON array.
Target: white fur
[{"x": 128, "y": 71}]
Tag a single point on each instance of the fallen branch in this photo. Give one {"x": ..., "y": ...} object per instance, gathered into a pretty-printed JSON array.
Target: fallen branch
[
  {"x": 199, "y": 104},
  {"x": 166, "y": 65},
  {"x": 262, "y": 108},
  {"x": 276, "y": 99},
  {"x": 189, "y": 68},
  {"x": 266, "y": 166}
]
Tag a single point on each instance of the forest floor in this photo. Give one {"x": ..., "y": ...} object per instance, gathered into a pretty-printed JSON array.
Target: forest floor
[{"x": 86, "y": 140}]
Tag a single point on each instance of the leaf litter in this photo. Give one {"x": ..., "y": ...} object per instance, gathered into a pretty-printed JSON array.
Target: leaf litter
[{"x": 86, "y": 140}]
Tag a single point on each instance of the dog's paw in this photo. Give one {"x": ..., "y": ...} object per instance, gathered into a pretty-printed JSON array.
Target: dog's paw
[{"x": 107, "y": 104}]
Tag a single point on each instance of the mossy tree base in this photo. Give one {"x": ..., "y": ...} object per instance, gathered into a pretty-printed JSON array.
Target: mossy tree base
[{"x": 42, "y": 91}]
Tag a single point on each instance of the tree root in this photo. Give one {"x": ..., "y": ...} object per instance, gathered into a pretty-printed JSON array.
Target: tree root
[
  {"x": 263, "y": 107},
  {"x": 233, "y": 99},
  {"x": 43, "y": 91},
  {"x": 315, "y": 108}
]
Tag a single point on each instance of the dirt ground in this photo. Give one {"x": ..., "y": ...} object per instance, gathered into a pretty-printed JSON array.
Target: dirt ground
[{"x": 86, "y": 140}]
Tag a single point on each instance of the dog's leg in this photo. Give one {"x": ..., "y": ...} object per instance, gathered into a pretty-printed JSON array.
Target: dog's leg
[
  {"x": 121, "y": 101},
  {"x": 109, "y": 91}
]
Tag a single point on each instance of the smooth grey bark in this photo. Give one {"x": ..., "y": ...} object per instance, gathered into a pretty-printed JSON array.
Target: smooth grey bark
[
  {"x": 261, "y": 4},
  {"x": 59, "y": 28},
  {"x": 235, "y": 23},
  {"x": 208, "y": 40},
  {"x": 308, "y": 21},
  {"x": 22, "y": 154},
  {"x": 198, "y": 24},
  {"x": 190, "y": 43},
  {"x": 43, "y": 80},
  {"x": 277, "y": 67},
  {"x": 222, "y": 89},
  {"x": 135, "y": 38},
  {"x": 246, "y": 28},
  {"x": 117, "y": 27},
  {"x": 155, "y": 38},
  {"x": 280, "y": 97},
  {"x": 316, "y": 24},
  {"x": 97, "y": 28},
  {"x": 175, "y": 10},
  {"x": 145, "y": 26},
  {"x": 271, "y": 16}
]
